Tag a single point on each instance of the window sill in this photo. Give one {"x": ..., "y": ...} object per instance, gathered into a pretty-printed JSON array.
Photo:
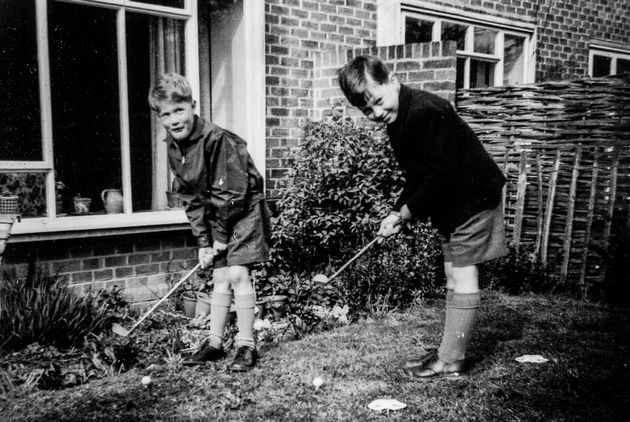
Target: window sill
[{"x": 36, "y": 229}]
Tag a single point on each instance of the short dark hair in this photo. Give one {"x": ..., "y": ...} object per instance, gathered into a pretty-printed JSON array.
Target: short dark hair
[
  {"x": 352, "y": 78},
  {"x": 170, "y": 86}
]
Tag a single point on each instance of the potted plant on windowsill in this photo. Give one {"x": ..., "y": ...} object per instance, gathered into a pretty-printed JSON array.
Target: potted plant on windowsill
[
  {"x": 59, "y": 188},
  {"x": 81, "y": 204}
]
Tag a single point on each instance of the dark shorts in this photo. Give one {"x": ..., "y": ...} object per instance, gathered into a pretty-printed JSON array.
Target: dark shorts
[
  {"x": 481, "y": 238},
  {"x": 249, "y": 242}
]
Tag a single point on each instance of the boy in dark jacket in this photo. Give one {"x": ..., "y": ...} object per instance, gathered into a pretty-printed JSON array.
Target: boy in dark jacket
[
  {"x": 226, "y": 208},
  {"x": 450, "y": 178}
]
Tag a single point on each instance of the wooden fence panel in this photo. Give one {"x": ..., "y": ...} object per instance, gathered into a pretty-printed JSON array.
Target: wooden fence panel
[{"x": 565, "y": 150}]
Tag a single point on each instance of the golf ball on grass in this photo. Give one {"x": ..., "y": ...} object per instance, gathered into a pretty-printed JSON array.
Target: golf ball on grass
[
  {"x": 317, "y": 382},
  {"x": 146, "y": 380}
]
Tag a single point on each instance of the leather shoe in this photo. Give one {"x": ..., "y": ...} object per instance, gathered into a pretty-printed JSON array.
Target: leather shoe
[
  {"x": 420, "y": 359},
  {"x": 435, "y": 368},
  {"x": 244, "y": 360},
  {"x": 206, "y": 353}
]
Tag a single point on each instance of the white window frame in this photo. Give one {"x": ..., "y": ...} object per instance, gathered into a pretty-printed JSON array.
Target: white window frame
[
  {"x": 391, "y": 15},
  {"x": 38, "y": 228},
  {"x": 607, "y": 51}
]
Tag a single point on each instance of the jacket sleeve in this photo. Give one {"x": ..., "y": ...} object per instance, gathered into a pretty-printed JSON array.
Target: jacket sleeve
[
  {"x": 195, "y": 211},
  {"x": 229, "y": 185}
]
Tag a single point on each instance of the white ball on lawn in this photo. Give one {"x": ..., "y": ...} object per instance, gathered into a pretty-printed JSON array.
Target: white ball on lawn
[
  {"x": 317, "y": 382},
  {"x": 146, "y": 380}
]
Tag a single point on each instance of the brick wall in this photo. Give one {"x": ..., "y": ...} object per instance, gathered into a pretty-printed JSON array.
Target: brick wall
[
  {"x": 564, "y": 28},
  {"x": 428, "y": 66},
  {"x": 295, "y": 31},
  {"x": 143, "y": 264}
]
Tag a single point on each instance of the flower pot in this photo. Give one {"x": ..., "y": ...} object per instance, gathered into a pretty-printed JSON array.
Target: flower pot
[
  {"x": 278, "y": 305},
  {"x": 82, "y": 205},
  {"x": 202, "y": 308},
  {"x": 112, "y": 201},
  {"x": 173, "y": 200},
  {"x": 6, "y": 222},
  {"x": 190, "y": 303}
]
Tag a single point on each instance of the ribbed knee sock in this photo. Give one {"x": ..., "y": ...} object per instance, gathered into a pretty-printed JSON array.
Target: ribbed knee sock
[
  {"x": 244, "y": 305},
  {"x": 219, "y": 308},
  {"x": 458, "y": 326}
]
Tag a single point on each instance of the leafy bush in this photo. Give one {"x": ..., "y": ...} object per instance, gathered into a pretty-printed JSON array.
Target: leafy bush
[
  {"x": 517, "y": 272},
  {"x": 42, "y": 309},
  {"x": 345, "y": 180}
]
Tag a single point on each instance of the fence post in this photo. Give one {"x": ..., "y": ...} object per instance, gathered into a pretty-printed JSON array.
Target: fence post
[
  {"x": 521, "y": 189},
  {"x": 614, "y": 166},
  {"x": 549, "y": 210},
  {"x": 589, "y": 223},
  {"x": 568, "y": 226}
]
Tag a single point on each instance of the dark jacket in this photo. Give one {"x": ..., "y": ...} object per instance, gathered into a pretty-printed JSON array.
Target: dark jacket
[
  {"x": 449, "y": 176},
  {"x": 217, "y": 179}
]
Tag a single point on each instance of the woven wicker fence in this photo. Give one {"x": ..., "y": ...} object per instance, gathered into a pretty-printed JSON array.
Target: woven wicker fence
[{"x": 565, "y": 149}]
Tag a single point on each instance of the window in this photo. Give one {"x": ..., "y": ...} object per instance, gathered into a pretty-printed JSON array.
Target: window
[
  {"x": 604, "y": 61},
  {"x": 75, "y": 75},
  {"x": 488, "y": 54}
]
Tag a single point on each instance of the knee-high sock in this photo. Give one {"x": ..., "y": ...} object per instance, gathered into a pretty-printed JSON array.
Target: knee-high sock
[
  {"x": 244, "y": 305},
  {"x": 458, "y": 326},
  {"x": 219, "y": 308}
]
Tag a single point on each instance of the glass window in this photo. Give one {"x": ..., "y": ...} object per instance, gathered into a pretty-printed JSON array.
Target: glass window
[
  {"x": 417, "y": 30},
  {"x": 154, "y": 45},
  {"x": 513, "y": 59},
  {"x": 601, "y": 65},
  {"x": 20, "y": 121},
  {"x": 454, "y": 32},
  {"x": 484, "y": 39},
  {"x": 461, "y": 66},
  {"x": 481, "y": 73},
  {"x": 30, "y": 188},
  {"x": 170, "y": 3},
  {"x": 623, "y": 66},
  {"x": 85, "y": 103}
]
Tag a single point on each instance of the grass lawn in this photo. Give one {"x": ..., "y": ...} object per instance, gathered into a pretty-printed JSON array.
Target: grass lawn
[{"x": 587, "y": 377}]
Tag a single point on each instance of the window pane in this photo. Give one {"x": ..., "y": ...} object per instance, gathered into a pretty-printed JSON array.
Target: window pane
[
  {"x": 30, "y": 188},
  {"x": 417, "y": 30},
  {"x": 513, "y": 60},
  {"x": 84, "y": 93},
  {"x": 454, "y": 32},
  {"x": 484, "y": 40},
  {"x": 601, "y": 65},
  {"x": 481, "y": 73},
  {"x": 154, "y": 45},
  {"x": 20, "y": 124},
  {"x": 623, "y": 66},
  {"x": 170, "y": 3}
]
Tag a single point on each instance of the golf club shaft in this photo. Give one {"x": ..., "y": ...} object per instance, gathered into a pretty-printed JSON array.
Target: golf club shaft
[
  {"x": 179, "y": 283},
  {"x": 361, "y": 252}
]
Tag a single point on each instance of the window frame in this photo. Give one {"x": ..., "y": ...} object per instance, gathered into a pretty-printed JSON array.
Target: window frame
[
  {"x": 52, "y": 227},
  {"x": 391, "y": 31},
  {"x": 613, "y": 52}
]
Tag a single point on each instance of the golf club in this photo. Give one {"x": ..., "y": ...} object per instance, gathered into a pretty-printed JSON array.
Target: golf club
[
  {"x": 321, "y": 278},
  {"x": 122, "y": 331}
]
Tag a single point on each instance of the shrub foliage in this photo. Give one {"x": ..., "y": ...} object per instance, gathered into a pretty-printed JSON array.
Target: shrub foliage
[
  {"x": 344, "y": 181},
  {"x": 42, "y": 309}
]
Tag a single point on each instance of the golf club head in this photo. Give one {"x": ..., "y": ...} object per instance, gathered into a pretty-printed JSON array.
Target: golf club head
[{"x": 120, "y": 330}]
